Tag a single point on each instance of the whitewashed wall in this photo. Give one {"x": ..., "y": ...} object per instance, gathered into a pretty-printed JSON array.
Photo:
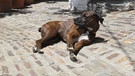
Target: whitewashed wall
[
  {"x": 101, "y": 7},
  {"x": 78, "y": 5}
]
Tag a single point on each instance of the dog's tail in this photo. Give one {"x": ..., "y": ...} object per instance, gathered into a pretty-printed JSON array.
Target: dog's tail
[{"x": 39, "y": 30}]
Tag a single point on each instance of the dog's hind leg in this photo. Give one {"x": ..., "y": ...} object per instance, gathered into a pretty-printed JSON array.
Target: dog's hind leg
[
  {"x": 38, "y": 46},
  {"x": 48, "y": 35}
]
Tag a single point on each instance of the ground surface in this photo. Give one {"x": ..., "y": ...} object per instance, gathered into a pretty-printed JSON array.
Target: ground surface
[{"x": 19, "y": 30}]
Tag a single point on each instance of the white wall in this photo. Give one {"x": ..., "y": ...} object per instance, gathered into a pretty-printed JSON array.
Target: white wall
[{"x": 78, "y": 5}]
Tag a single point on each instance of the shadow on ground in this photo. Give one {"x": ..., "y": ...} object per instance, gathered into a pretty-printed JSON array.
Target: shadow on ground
[
  {"x": 58, "y": 39},
  {"x": 99, "y": 40},
  {"x": 15, "y": 12},
  {"x": 48, "y": 1}
]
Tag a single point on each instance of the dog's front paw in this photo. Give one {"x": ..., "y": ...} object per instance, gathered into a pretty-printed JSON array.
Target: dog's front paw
[
  {"x": 70, "y": 49},
  {"x": 40, "y": 52},
  {"x": 73, "y": 57},
  {"x": 35, "y": 50}
]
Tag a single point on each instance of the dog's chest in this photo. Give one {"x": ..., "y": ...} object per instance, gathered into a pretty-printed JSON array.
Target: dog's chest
[{"x": 84, "y": 36}]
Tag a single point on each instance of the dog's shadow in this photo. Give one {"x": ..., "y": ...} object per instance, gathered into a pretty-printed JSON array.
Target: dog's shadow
[
  {"x": 57, "y": 39},
  {"x": 98, "y": 40}
]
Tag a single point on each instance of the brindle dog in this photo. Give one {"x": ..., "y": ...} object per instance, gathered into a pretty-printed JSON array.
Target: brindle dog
[{"x": 76, "y": 33}]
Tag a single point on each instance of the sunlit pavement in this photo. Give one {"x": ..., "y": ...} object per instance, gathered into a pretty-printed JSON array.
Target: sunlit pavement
[{"x": 111, "y": 54}]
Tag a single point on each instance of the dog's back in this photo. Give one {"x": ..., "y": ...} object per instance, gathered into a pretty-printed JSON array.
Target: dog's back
[{"x": 58, "y": 28}]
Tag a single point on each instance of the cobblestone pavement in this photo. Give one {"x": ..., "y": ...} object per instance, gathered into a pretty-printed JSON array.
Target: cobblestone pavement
[{"x": 111, "y": 54}]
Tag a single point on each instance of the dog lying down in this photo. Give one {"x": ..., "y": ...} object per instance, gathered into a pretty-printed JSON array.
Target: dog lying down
[{"x": 76, "y": 33}]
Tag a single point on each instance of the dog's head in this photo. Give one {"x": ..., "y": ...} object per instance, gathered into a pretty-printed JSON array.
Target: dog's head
[{"x": 89, "y": 19}]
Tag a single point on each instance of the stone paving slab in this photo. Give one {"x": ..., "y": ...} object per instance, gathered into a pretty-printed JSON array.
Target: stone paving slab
[{"x": 111, "y": 54}]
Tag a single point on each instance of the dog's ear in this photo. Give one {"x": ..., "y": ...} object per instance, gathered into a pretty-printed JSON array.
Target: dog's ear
[{"x": 99, "y": 18}]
